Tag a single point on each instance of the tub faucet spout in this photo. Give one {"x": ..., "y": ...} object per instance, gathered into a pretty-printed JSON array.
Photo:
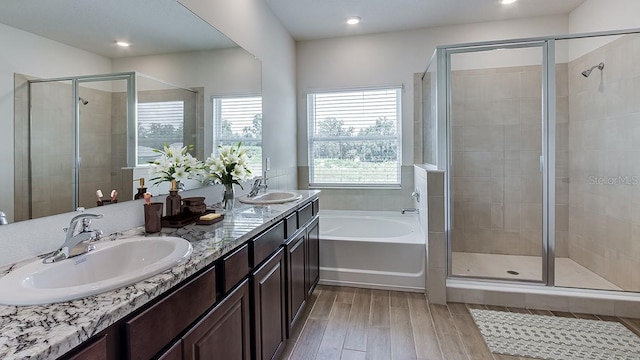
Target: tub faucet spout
[{"x": 412, "y": 210}]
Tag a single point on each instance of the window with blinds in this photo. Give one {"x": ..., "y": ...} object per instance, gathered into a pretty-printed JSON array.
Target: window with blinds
[
  {"x": 355, "y": 138},
  {"x": 159, "y": 123},
  {"x": 239, "y": 119}
]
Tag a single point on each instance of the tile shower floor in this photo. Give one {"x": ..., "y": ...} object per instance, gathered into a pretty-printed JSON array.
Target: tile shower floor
[{"x": 568, "y": 272}]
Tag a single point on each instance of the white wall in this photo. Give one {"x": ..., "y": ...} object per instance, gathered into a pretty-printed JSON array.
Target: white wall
[
  {"x": 252, "y": 25},
  {"x": 231, "y": 71},
  {"x": 36, "y": 56},
  {"x": 393, "y": 58}
]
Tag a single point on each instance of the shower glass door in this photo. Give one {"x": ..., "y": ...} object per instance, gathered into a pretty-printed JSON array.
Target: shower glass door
[
  {"x": 51, "y": 148},
  {"x": 496, "y": 161}
]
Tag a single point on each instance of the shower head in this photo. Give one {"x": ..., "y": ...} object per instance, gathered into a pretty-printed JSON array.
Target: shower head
[
  {"x": 587, "y": 72},
  {"x": 83, "y": 101}
]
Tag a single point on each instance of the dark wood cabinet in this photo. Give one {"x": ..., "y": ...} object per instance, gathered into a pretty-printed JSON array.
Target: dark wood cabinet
[
  {"x": 313, "y": 255},
  {"x": 224, "y": 333},
  {"x": 241, "y": 307},
  {"x": 296, "y": 260},
  {"x": 156, "y": 327},
  {"x": 269, "y": 321},
  {"x": 174, "y": 352},
  {"x": 95, "y": 349}
]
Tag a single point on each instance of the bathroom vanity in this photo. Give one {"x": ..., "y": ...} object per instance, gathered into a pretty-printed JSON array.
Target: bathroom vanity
[{"x": 237, "y": 297}]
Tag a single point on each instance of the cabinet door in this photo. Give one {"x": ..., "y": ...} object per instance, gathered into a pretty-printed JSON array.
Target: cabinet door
[
  {"x": 268, "y": 283},
  {"x": 313, "y": 255},
  {"x": 94, "y": 350},
  {"x": 296, "y": 285},
  {"x": 224, "y": 333}
]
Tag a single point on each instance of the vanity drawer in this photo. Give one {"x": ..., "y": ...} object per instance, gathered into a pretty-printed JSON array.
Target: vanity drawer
[
  {"x": 267, "y": 243},
  {"x": 290, "y": 225},
  {"x": 235, "y": 267},
  {"x": 94, "y": 350},
  {"x": 154, "y": 328},
  {"x": 305, "y": 214}
]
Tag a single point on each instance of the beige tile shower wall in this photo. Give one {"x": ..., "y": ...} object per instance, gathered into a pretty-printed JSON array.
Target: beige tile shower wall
[
  {"x": 52, "y": 142},
  {"x": 604, "y": 145},
  {"x": 497, "y": 141},
  {"x": 95, "y": 145}
]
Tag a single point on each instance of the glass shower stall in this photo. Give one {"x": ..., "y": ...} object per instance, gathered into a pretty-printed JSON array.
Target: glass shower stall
[
  {"x": 540, "y": 142},
  {"x": 87, "y": 133}
]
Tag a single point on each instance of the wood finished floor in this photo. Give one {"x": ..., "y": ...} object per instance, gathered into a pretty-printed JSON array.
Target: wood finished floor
[{"x": 343, "y": 323}]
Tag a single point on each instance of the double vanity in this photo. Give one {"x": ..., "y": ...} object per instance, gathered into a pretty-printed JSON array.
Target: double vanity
[{"x": 236, "y": 295}]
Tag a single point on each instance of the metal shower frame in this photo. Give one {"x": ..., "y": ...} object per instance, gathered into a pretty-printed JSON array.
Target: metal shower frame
[{"x": 442, "y": 60}]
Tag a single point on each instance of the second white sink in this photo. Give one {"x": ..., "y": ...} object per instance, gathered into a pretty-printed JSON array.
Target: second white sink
[
  {"x": 110, "y": 266},
  {"x": 271, "y": 197}
]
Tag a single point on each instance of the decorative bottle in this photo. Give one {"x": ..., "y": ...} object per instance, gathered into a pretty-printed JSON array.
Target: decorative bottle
[{"x": 174, "y": 201}]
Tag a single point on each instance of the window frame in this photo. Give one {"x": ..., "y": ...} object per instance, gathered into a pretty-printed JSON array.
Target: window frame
[
  {"x": 144, "y": 104},
  {"x": 311, "y": 139},
  {"x": 217, "y": 126}
]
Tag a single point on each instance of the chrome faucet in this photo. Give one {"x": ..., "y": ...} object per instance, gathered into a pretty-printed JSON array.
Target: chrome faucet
[
  {"x": 258, "y": 184},
  {"x": 76, "y": 243},
  {"x": 416, "y": 211}
]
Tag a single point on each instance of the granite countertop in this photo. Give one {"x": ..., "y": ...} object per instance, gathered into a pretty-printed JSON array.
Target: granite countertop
[{"x": 50, "y": 331}]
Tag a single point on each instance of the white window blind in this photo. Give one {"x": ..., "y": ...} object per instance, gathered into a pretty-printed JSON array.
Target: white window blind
[
  {"x": 239, "y": 119},
  {"x": 355, "y": 137},
  {"x": 159, "y": 123}
]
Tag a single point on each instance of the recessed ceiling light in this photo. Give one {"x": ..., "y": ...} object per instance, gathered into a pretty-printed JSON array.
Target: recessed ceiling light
[
  {"x": 123, "y": 43},
  {"x": 353, "y": 20},
  {"x": 507, "y": 2}
]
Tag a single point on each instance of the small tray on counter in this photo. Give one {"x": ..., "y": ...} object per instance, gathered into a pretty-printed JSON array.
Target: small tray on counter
[{"x": 187, "y": 218}]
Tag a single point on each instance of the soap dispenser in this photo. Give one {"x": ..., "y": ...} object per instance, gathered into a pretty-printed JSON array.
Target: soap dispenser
[
  {"x": 141, "y": 190},
  {"x": 174, "y": 201}
]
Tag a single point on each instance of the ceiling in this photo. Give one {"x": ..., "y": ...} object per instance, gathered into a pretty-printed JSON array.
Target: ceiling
[
  {"x": 151, "y": 26},
  {"x": 316, "y": 19}
]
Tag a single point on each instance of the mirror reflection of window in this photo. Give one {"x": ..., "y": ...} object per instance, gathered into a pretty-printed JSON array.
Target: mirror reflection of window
[
  {"x": 159, "y": 123},
  {"x": 239, "y": 119}
]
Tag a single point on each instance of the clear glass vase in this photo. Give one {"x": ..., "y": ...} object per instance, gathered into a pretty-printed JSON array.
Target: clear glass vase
[{"x": 228, "y": 197}]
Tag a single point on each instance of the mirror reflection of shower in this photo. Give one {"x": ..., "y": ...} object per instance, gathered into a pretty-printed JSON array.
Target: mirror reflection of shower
[{"x": 587, "y": 72}]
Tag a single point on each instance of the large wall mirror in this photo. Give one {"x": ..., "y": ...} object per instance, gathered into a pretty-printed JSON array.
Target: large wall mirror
[{"x": 88, "y": 112}]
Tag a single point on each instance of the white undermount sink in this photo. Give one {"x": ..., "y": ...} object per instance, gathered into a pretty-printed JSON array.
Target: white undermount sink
[
  {"x": 110, "y": 266},
  {"x": 271, "y": 197}
]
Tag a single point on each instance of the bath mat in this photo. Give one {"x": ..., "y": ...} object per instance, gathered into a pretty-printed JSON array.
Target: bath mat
[{"x": 555, "y": 338}]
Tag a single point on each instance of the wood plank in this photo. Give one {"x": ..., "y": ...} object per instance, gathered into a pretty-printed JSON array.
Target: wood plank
[
  {"x": 402, "y": 342},
  {"x": 634, "y": 323},
  {"x": 448, "y": 337},
  {"x": 297, "y": 330},
  {"x": 476, "y": 306},
  {"x": 563, "y": 314},
  {"x": 398, "y": 299},
  {"x": 442, "y": 320},
  {"x": 586, "y": 316},
  {"x": 356, "y": 338},
  {"x": 353, "y": 355},
  {"x": 322, "y": 308},
  {"x": 471, "y": 337},
  {"x": 380, "y": 304},
  {"x": 378, "y": 343},
  {"x": 307, "y": 345},
  {"x": 424, "y": 334},
  {"x": 458, "y": 308},
  {"x": 541, "y": 312},
  {"x": 333, "y": 339},
  {"x": 519, "y": 310},
  {"x": 345, "y": 295}
]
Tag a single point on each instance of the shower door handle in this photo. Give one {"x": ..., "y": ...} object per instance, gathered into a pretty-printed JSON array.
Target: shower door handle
[{"x": 541, "y": 163}]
